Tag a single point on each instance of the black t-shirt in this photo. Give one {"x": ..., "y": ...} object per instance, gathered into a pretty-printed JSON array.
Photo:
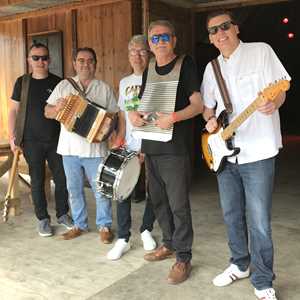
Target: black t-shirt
[
  {"x": 37, "y": 126},
  {"x": 183, "y": 131}
]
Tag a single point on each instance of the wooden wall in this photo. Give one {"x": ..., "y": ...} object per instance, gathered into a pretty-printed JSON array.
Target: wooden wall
[
  {"x": 106, "y": 28},
  {"x": 182, "y": 19},
  {"x": 12, "y": 65}
]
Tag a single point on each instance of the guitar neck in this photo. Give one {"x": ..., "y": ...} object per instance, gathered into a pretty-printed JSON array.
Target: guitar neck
[{"x": 241, "y": 118}]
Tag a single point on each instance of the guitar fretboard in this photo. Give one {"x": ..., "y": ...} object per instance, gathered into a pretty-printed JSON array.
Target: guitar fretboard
[{"x": 244, "y": 115}]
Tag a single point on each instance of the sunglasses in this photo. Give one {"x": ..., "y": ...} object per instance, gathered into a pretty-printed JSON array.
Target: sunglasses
[
  {"x": 38, "y": 57},
  {"x": 164, "y": 37},
  {"x": 224, "y": 27}
]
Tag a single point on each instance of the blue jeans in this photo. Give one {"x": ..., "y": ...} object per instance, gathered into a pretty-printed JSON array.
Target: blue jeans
[
  {"x": 75, "y": 167},
  {"x": 246, "y": 200}
]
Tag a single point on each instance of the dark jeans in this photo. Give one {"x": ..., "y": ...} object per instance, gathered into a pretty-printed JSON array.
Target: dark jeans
[
  {"x": 36, "y": 154},
  {"x": 246, "y": 199},
  {"x": 169, "y": 180},
  {"x": 124, "y": 218}
]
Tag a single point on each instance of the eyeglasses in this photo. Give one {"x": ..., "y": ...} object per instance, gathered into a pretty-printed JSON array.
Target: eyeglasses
[
  {"x": 82, "y": 61},
  {"x": 224, "y": 27},
  {"x": 164, "y": 37},
  {"x": 38, "y": 57},
  {"x": 141, "y": 52}
]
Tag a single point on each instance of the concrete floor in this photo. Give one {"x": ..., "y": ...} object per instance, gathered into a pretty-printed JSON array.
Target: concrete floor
[{"x": 32, "y": 267}]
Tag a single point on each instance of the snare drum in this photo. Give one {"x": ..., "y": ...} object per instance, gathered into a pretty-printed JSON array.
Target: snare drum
[{"x": 118, "y": 174}]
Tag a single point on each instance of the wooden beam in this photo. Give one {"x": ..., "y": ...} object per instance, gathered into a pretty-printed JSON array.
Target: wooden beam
[
  {"x": 59, "y": 8},
  {"x": 146, "y": 16},
  {"x": 200, "y": 7},
  {"x": 180, "y": 3}
]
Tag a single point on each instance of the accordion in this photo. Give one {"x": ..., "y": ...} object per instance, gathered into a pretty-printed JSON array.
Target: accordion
[{"x": 86, "y": 119}]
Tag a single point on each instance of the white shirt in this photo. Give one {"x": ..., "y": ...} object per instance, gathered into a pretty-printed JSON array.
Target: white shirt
[
  {"x": 250, "y": 69},
  {"x": 71, "y": 143},
  {"x": 129, "y": 87}
]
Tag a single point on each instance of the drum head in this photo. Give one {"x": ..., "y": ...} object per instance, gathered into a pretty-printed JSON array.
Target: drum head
[{"x": 127, "y": 178}]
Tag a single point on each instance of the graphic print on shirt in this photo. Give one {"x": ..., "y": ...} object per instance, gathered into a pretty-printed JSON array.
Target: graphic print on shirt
[{"x": 132, "y": 100}]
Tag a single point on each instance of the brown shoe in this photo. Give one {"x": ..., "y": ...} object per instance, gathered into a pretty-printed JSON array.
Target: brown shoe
[
  {"x": 160, "y": 253},
  {"x": 106, "y": 235},
  {"x": 180, "y": 272},
  {"x": 73, "y": 233}
]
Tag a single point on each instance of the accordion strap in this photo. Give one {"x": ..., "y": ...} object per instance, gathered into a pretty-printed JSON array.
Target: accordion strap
[
  {"x": 82, "y": 93},
  {"x": 222, "y": 85}
]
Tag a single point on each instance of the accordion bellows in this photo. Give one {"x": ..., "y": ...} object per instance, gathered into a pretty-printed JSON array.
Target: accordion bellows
[{"x": 86, "y": 119}]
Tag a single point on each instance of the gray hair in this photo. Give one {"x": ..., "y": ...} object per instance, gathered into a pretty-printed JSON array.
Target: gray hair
[
  {"x": 139, "y": 39},
  {"x": 164, "y": 23}
]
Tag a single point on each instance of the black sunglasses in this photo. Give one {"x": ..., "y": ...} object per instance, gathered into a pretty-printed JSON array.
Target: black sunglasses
[
  {"x": 38, "y": 57},
  {"x": 224, "y": 27}
]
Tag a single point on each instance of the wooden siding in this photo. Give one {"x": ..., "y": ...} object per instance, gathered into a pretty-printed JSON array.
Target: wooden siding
[
  {"x": 106, "y": 28},
  {"x": 182, "y": 20},
  {"x": 12, "y": 66}
]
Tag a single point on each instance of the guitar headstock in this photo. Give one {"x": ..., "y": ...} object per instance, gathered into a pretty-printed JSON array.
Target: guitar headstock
[{"x": 272, "y": 91}]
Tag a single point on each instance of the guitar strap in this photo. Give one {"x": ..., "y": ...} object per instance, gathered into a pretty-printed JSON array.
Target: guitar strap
[
  {"x": 222, "y": 85},
  {"x": 20, "y": 121}
]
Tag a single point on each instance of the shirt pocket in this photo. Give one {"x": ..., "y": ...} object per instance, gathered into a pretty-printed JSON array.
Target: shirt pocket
[{"x": 248, "y": 86}]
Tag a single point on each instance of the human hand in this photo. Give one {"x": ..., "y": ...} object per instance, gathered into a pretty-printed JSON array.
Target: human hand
[
  {"x": 164, "y": 121},
  {"x": 136, "y": 118},
  {"x": 212, "y": 124}
]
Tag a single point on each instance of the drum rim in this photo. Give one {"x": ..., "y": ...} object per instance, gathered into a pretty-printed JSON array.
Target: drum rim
[{"x": 120, "y": 173}]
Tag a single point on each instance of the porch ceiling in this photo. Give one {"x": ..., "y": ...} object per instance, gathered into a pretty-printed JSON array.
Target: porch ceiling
[{"x": 14, "y": 7}]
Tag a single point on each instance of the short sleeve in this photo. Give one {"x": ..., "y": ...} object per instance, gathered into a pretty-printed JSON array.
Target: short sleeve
[
  {"x": 16, "y": 94},
  {"x": 190, "y": 76}
]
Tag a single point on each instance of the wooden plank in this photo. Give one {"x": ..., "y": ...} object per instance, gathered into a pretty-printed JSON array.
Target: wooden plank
[
  {"x": 59, "y": 8},
  {"x": 107, "y": 29},
  {"x": 232, "y": 4},
  {"x": 12, "y": 66}
]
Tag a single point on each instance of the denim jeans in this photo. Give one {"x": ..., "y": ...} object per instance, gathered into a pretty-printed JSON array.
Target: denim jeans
[
  {"x": 246, "y": 200},
  {"x": 75, "y": 167},
  {"x": 36, "y": 154}
]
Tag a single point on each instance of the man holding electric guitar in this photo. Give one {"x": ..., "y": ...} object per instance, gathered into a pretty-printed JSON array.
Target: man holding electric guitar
[{"x": 242, "y": 150}]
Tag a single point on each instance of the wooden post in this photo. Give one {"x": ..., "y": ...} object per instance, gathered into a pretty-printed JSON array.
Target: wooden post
[{"x": 146, "y": 14}]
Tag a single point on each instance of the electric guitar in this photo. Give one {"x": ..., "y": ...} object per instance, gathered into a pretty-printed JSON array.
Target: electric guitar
[{"x": 217, "y": 146}]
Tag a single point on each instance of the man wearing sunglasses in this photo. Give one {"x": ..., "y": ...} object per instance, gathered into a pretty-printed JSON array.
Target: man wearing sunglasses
[
  {"x": 246, "y": 181},
  {"x": 168, "y": 163},
  {"x": 39, "y": 138}
]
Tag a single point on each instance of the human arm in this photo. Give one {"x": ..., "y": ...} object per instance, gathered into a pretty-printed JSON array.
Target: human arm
[
  {"x": 51, "y": 110},
  {"x": 119, "y": 138},
  {"x": 211, "y": 119},
  {"x": 194, "y": 108},
  {"x": 12, "y": 117}
]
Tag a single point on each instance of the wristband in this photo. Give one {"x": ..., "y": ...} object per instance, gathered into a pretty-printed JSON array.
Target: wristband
[{"x": 120, "y": 142}]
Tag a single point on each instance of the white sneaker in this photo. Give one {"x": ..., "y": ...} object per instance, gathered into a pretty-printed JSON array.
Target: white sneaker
[
  {"x": 231, "y": 274},
  {"x": 267, "y": 294},
  {"x": 149, "y": 243},
  {"x": 120, "y": 247}
]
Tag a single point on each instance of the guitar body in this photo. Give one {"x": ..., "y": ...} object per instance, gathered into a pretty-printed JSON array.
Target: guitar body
[
  {"x": 214, "y": 149},
  {"x": 217, "y": 146}
]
